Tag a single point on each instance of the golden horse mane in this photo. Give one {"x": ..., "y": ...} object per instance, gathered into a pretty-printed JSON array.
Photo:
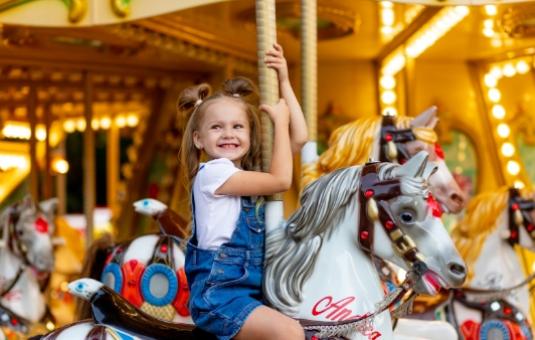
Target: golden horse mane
[
  {"x": 479, "y": 221},
  {"x": 352, "y": 144}
]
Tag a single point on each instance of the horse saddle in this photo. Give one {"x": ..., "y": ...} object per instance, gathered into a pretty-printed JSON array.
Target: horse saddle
[{"x": 110, "y": 309}]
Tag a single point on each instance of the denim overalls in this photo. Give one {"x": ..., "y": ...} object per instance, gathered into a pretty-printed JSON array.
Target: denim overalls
[{"x": 226, "y": 284}]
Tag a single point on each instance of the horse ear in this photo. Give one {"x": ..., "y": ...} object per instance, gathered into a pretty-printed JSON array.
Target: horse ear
[
  {"x": 414, "y": 167},
  {"x": 430, "y": 169},
  {"x": 28, "y": 203},
  {"x": 49, "y": 206},
  {"x": 428, "y": 118}
]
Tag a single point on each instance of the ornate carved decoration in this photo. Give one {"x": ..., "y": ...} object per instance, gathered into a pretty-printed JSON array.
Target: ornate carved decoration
[
  {"x": 121, "y": 8},
  {"x": 77, "y": 8},
  {"x": 333, "y": 22},
  {"x": 519, "y": 21}
]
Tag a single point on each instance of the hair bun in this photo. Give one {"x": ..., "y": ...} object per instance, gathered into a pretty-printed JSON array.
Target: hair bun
[
  {"x": 240, "y": 87},
  {"x": 190, "y": 97}
]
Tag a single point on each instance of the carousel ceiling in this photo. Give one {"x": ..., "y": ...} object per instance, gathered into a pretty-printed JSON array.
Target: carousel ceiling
[{"x": 127, "y": 62}]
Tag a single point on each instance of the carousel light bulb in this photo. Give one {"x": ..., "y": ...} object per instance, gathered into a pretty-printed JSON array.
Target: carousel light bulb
[
  {"x": 491, "y": 10},
  {"x": 522, "y": 67},
  {"x": 496, "y": 71},
  {"x": 387, "y": 82},
  {"x": 498, "y": 111},
  {"x": 488, "y": 23},
  {"x": 387, "y": 4},
  {"x": 508, "y": 149},
  {"x": 494, "y": 95},
  {"x": 503, "y": 130},
  {"x": 509, "y": 70},
  {"x": 95, "y": 124},
  {"x": 519, "y": 185},
  {"x": 490, "y": 80},
  {"x": 132, "y": 120},
  {"x": 395, "y": 64},
  {"x": 387, "y": 16},
  {"x": 60, "y": 166},
  {"x": 80, "y": 124},
  {"x": 387, "y": 30},
  {"x": 105, "y": 122},
  {"x": 461, "y": 11},
  {"x": 120, "y": 121},
  {"x": 513, "y": 167},
  {"x": 69, "y": 126},
  {"x": 488, "y": 32},
  {"x": 388, "y": 97},
  {"x": 40, "y": 133}
]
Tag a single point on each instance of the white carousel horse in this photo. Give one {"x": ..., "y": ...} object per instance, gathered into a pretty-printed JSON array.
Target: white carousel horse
[
  {"x": 148, "y": 270},
  {"x": 316, "y": 268},
  {"x": 393, "y": 139},
  {"x": 496, "y": 299},
  {"x": 26, "y": 257},
  {"x": 386, "y": 139}
]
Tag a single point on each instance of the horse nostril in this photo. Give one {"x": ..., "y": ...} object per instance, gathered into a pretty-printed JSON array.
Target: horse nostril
[
  {"x": 456, "y": 268},
  {"x": 457, "y": 198}
]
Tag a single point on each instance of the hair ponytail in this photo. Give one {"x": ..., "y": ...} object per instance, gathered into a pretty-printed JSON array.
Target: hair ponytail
[
  {"x": 241, "y": 87},
  {"x": 188, "y": 104}
]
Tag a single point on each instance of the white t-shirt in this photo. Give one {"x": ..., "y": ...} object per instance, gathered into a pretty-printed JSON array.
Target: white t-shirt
[{"x": 215, "y": 215}]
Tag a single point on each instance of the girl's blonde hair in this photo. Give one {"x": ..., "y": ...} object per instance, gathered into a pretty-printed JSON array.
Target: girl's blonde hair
[{"x": 192, "y": 105}]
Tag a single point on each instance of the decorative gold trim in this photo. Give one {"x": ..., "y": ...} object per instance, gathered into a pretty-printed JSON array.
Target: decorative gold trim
[
  {"x": 121, "y": 8},
  {"x": 77, "y": 10}
]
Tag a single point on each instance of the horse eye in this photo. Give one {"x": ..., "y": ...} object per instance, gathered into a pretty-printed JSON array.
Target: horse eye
[
  {"x": 407, "y": 217},
  {"x": 20, "y": 232}
]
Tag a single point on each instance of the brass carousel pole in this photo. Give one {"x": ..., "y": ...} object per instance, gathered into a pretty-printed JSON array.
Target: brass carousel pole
[
  {"x": 34, "y": 172},
  {"x": 47, "y": 192},
  {"x": 266, "y": 36},
  {"x": 309, "y": 77},
  {"x": 89, "y": 160},
  {"x": 112, "y": 161}
]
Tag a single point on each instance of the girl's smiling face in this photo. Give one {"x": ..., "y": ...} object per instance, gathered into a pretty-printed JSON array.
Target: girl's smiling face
[{"x": 224, "y": 130}]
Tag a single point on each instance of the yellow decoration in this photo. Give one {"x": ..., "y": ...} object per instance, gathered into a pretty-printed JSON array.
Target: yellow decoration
[{"x": 121, "y": 7}]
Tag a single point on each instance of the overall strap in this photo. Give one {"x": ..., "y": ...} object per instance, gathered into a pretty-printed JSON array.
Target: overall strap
[{"x": 193, "y": 223}]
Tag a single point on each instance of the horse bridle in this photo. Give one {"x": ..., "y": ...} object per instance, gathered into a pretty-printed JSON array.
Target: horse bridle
[
  {"x": 393, "y": 140},
  {"x": 373, "y": 196},
  {"x": 519, "y": 216}
]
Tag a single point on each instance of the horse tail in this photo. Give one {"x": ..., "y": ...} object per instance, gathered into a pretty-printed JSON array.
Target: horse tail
[{"x": 94, "y": 261}]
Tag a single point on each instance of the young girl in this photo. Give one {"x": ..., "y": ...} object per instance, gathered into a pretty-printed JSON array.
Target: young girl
[{"x": 224, "y": 258}]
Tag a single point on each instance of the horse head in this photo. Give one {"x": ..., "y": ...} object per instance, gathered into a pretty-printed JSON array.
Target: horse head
[
  {"x": 352, "y": 215},
  {"x": 442, "y": 184},
  {"x": 389, "y": 139},
  {"x": 416, "y": 214},
  {"x": 27, "y": 231},
  {"x": 506, "y": 213}
]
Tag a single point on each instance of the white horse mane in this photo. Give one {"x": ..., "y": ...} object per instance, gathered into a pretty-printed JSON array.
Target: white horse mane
[{"x": 291, "y": 251}]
